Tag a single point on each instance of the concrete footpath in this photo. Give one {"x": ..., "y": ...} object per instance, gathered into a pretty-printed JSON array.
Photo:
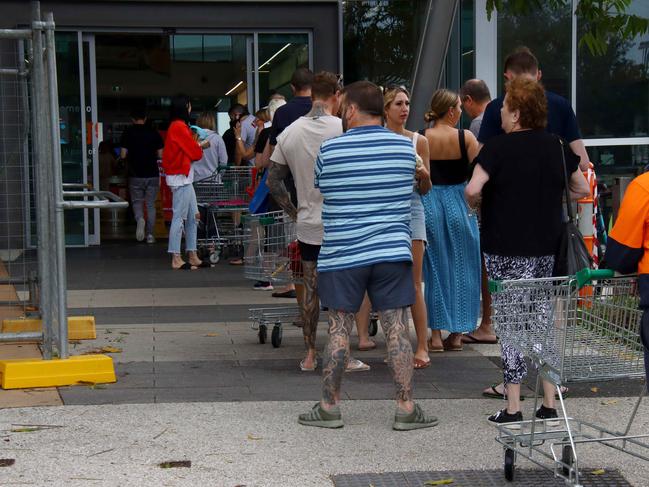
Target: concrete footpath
[
  {"x": 260, "y": 444},
  {"x": 195, "y": 385}
]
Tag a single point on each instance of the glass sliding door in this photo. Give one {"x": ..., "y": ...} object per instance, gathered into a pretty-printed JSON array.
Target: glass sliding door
[
  {"x": 278, "y": 55},
  {"x": 71, "y": 120}
]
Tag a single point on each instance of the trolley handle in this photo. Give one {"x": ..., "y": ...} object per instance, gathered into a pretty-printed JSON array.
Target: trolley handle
[
  {"x": 586, "y": 275},
  {"x": 581, "y": 278}
]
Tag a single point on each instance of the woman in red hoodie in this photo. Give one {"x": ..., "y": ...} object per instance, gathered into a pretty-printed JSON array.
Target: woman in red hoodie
[{"x": 180, "y": 152}]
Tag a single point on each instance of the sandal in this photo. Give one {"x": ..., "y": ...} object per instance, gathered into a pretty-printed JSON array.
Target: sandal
[
  {"x": 420, "y": 364},
  {"x": 185, "y": 267},
  {"x": 471, "y": 339},
  {"x": 367, "y": 349},
  {"x": 450, "y": 347},
  {"x": 307, "y": 369},
  {"x": 355, "y": 365},
  {"x": 432, "y": 349}
]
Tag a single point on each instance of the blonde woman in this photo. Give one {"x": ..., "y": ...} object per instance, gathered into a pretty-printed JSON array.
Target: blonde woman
[
  {"x": 452, "y": 262},
  {"x": 396, "y": 106}
]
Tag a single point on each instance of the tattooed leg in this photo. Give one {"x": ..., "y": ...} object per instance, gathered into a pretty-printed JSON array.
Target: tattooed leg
[
  {"x": 336, "y": 356},
  {"x": 310, "y": 310},
  {"x": 400, "y": 357}
]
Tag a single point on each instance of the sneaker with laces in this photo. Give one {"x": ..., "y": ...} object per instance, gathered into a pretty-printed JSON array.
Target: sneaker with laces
[
  {"x": 139, "y": 231},
  {"x": 263, "y": 286},
  {"x": 150, "y": 239},
  {"x": 549, "y": 415},
  {"x": 321, "y": 418},
  {"x": 415, "y": 420},
  {"x": 503, "y": 417}
]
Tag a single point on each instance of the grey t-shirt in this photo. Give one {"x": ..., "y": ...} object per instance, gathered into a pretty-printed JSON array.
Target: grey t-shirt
[
  {"x": 297, "y": 147},
  {"x": 475, "y": 125},
  {"x": 248, "y": 134}
]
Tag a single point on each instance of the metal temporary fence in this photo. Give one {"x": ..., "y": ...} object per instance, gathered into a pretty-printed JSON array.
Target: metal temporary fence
[{"x": 32, "y": 250}]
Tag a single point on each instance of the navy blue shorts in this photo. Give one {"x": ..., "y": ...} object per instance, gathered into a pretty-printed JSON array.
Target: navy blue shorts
[{"x": 389, "y": 286}]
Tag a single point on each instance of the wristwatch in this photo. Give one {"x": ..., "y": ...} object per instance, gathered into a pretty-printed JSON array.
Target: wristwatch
[{"x": 239, "y": 138}]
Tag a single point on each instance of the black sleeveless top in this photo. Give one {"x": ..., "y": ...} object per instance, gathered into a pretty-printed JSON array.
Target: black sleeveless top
[{"x": 446, "y": 172}]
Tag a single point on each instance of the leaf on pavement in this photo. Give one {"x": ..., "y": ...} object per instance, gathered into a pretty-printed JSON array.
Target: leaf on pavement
[
  {"x": 176, "y": 464},
  {"x": 211, "y": 335},
  {"x": 25, "y": 430},
  {"x": 594, "y": 389},
  {"x": 7, "y": 462},
  {"x": 254, "y": 438},
  {"x": 106, "y": 349},
  {"x": 599, "y": 471},
  {"x": 609, "y": 402},
  {"x": 439, "y": 482}
]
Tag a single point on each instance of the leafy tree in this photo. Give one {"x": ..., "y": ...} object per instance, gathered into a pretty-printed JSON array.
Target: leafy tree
[{"x": 603, "y": 20}]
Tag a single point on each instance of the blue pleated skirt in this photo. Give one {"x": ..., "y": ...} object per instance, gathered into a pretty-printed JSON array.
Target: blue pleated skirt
[{"x": 452, "y": 266}]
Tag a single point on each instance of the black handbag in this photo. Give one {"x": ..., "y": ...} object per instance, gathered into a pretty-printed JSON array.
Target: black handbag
[{"x": 572, "y": 255}]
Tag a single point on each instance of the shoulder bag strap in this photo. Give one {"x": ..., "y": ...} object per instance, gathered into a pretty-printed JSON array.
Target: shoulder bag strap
[
  {"x": 565, "y": 180},
  {"x": 463, "y": 151}
]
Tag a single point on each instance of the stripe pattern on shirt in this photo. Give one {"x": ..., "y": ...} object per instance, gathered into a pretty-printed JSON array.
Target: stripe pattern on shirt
[{"x": 365, "y": 177}]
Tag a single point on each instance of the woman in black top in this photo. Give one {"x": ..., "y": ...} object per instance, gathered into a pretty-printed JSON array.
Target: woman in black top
[{"x": 520, "y": 176}]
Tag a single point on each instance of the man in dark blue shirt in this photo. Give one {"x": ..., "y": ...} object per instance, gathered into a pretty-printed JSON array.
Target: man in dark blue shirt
[
  {"x": 561, "y": 118},
  {"x": 297, "y": 107}
]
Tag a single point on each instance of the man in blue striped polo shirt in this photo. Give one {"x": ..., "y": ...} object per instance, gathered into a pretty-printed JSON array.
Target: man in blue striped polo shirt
[{"x": 366, "y": 177}]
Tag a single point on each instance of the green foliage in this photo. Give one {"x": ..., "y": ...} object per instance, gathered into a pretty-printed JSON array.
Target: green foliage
[{"x": 603, "y": 20}]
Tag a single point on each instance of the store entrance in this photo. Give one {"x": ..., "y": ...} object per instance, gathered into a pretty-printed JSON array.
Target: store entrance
[{"x": 103, "y": 76}]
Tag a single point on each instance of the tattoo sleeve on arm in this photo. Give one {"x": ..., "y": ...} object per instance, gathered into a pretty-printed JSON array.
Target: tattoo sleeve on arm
[{"x": 276, "y": 175}]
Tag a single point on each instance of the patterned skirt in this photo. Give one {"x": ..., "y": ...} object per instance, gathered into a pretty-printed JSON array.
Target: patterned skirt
[{"x": 452, "y": 265}]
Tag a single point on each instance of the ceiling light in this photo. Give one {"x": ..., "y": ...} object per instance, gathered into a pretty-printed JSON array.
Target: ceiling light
[
  {"x": 274, "y": 56},
  {"x": 234, "y": 88}
]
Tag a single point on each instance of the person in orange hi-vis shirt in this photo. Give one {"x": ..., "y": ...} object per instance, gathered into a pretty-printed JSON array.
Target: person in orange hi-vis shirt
[{"x": 628, "y": 243}]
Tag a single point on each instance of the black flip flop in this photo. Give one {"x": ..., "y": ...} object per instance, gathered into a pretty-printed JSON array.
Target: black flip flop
[
  {"x": 185, "y": 267},
  {"x": 494, "y": 394},
  {"x": 204, "y": 263},
  {"x": 471, "y": 340}
]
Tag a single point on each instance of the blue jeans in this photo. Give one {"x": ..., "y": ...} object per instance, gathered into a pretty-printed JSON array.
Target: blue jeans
[{"x": 184, "y": 218}]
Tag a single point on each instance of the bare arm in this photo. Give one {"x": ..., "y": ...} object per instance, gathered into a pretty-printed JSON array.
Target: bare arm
[
  {"x": 275, "y": 182},
  {"x": 159, "y": 153},
  {"x": 264, "y": 160},
  {"x": 423, "y": 172},
  {"x": 579, "y": 148},
  {"x": 473, "y": 189},
  {"x": 578, "y": 185},
  {"x": 472, "y": 146}
]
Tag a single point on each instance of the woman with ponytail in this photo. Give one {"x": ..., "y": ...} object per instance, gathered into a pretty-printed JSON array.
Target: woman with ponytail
[{"x": 452, "y": 261}]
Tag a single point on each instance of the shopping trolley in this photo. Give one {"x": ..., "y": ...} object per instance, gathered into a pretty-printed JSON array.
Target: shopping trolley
[
  {"x": 271, "y": 254},
  {"x": 579, "y": 328},
  {"x": 225, "y": 195}
]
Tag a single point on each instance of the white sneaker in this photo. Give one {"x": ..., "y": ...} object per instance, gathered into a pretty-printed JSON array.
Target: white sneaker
[
  {"x": 139, "y": 232},
  {"x": 150, "y": 239}
]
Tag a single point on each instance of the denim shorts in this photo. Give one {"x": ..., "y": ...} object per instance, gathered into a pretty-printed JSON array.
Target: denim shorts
[
  {"x": 389, "y": 286},
  {"x": 417, "y": 218}
]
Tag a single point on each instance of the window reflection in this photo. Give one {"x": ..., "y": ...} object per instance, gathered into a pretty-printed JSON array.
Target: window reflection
[
  {"x": 613, "y": 89},
  {"x": 280, "y": 55},
  {"x": 548, "y": 34}
]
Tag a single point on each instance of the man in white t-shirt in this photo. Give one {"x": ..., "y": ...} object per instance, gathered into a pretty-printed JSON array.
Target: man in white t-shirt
[{"x": 296, "y": 151}]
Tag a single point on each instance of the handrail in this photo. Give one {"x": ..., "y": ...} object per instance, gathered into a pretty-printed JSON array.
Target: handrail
[{"x": 102, "y": 199}]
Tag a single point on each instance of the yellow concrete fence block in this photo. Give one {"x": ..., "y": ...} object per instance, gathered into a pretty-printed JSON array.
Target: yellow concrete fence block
[
  {"x": 27, "y": 373},
  {"x": 79, "y": 327}
]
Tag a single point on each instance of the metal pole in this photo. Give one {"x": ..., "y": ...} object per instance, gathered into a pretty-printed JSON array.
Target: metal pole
[
  {"x": 21, "y": 337},
  {"x": 41, "y": 183},
  {"x": 57, "y": 182}
]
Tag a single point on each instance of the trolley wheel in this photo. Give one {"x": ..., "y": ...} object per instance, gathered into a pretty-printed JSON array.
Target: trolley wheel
[
  {"x": 567, "y": 458},
  {"x": 263, "y": 333},
  {"x": 214, "y": 257},
  {"x": 510, "y": 460},
  {"x": 374, "y": 327},
  {"x": 276, "y": 335}
]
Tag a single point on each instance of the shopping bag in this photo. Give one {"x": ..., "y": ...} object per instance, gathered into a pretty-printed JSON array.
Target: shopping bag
[{"x": 259, "y": 201}]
